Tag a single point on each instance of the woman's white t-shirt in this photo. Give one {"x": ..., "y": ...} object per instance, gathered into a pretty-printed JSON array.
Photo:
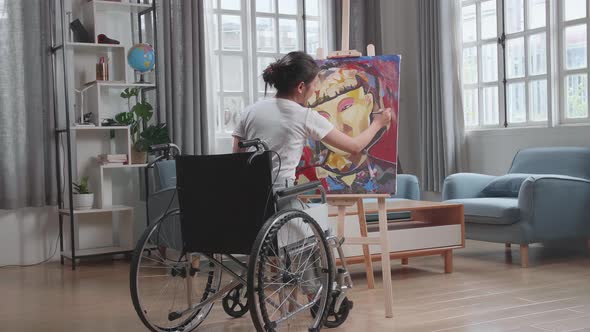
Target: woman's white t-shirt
[{"x": 285, "y": 126}]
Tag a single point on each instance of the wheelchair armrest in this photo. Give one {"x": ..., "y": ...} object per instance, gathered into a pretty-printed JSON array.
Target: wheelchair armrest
[{"x": 298, "y": 189}]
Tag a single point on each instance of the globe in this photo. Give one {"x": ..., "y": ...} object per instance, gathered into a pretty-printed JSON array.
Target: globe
[{"x": 142, "y": 58}]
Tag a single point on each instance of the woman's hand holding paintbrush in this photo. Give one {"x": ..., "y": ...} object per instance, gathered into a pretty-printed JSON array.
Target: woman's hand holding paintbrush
[{"x": 383, "y": 117}]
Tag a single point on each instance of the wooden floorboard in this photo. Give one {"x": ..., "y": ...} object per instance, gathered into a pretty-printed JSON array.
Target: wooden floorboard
[{"x": 488, "y": 291}]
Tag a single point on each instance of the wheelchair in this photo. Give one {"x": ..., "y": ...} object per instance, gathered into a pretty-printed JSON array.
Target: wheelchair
[{"x": 223, "y": 236}]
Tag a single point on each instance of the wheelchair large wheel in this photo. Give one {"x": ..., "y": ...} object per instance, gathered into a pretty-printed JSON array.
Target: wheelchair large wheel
[
  {"x": 290, "y": 272},
  {"x": 165, "y": 281}
]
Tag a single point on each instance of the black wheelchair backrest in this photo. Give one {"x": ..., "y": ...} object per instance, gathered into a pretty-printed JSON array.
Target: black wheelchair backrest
[{"x": 224, "y": 201}]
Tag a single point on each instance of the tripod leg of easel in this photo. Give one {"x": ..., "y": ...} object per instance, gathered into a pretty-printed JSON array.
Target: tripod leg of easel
[
  {"x": 366, "y": 251},
  {"x": 345, "y": 25},
  {"x": 385, "y": 262}
]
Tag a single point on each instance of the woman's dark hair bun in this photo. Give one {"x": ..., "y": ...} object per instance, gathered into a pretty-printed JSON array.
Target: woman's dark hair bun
[{"x": 286, "y": 73}]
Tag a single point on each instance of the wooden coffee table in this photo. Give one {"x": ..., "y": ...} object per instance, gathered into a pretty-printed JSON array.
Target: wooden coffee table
[{"x": 434, "y": 228}]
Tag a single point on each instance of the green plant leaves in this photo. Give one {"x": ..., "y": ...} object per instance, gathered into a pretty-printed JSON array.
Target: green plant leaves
[
  {"x": 128, "y": 93},
  {"x": 82, "y": 187},
  {"x": 125, "y": 118},
  {"x": 143, "y": 110},
  {"x": 152, "y": 135}
]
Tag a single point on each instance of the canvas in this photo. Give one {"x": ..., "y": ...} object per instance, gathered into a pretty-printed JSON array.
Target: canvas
[{"x": 350, "y": 90}]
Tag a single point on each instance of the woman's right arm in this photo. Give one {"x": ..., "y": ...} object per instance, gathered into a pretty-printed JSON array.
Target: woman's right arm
[{"x": 357, "y": 144}]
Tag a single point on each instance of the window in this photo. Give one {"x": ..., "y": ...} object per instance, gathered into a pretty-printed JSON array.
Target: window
[
  {"x": 3, "y": 9},
  {"x": 505, "y": 62},
  {"x": 246, "y": 36},
  {"x": 573, "y": 64}
]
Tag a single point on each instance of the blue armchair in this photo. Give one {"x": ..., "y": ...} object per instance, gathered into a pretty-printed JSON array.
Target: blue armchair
[{"x": 545, "y": 196}]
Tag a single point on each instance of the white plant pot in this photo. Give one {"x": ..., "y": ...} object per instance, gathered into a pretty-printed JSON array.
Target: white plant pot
[{"x": 83, "y": 201}]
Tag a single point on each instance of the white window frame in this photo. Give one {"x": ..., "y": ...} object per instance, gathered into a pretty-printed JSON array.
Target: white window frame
[
  {"x": 526, "y": 79},
  {"x": 248, "y": 14},
  {"x": 3, "y": 9},
  {"x": 561, "y": 64},
  {"x": 480, "y": 85}
]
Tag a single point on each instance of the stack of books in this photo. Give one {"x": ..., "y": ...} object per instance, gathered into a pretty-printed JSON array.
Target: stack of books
[{"x": 112, "y": 159}]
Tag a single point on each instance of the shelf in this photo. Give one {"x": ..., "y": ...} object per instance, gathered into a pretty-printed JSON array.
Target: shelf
[
  {"x": 124, "y": 166},
  {"x": 99, "y": 128},
  {"x": 96, "y": 252},
  {"x": 121, "y": 6},
  {"x": 120, "y": 84},
  {"x": 90, "y": 47},
  {"x": 114, "y": 208}
]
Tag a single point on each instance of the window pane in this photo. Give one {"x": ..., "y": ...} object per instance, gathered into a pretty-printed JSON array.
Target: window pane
[
  {"x": 515, "y": 57},
  {"x": 265, "y": 34},
  {"x": 470, "y": 65},
  {"x": 265, "y": 6},
  {"x": 312, "y": 30},
  {"x": 288, "y": 35},
  {"x": 489, "y": 62},
  {"x": 537, "y": 11},
  {"x": 215, "y": 72},
  {"x": 537, "y": 54},
  {"x": 576, "y": 103},
  {"x": 516, "y": 103},
  {"x": 231, "y": 32},
  {"x": 312, "y": 7},
  {"x": 469, "y": 24},
  {"x": 574, "y": 9},
  {"x": 211, "y": 4},
  {"x": 233, "y": 73},
  {"x": 514, "y": 16},
  {"x": 215, "y": 24},
  {"x": 575, "y": 47},
  {"x": 470, "y": 107},
  {"x": 263, "y": 62},
  {"x": 538, "y": 100},
  {"x": 288, "y": 7},
  {"x": 232, "y": 107},
  {"x": 490, "y": 106},
  {"x": 230, "y": 4},
  {"x": 488, "y": 19}
]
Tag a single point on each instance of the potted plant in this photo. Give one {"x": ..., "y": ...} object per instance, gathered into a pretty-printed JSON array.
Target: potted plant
[
  {"x": 83, "y": 198},
  {"x": 137, "y": 118}
]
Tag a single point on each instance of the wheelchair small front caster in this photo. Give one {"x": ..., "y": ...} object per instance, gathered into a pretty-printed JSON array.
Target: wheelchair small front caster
[
  {"x": 334, "y": 319},
  {"x": 235, "y": 303}
]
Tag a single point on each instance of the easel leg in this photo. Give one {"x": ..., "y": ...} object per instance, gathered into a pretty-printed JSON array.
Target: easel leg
[
  {"x": 366, "y": 251},
  {"x": 385, "y": 262},
  {"x": 340, "y": 221}
]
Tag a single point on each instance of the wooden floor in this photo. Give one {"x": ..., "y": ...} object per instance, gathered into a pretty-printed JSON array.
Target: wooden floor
[{"x": 487, "y": 292}]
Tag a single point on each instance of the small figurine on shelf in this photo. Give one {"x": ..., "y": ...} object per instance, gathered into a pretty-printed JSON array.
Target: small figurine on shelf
[
  {"x": 142, "y": 58},
  {"x": 85, "y": 119},
  {"x": 102, "y": 70},
  {"x": 103, "y": 39}
]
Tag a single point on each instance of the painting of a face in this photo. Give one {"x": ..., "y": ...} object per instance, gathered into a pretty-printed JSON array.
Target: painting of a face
[
  {"x": 349, "y": 112},
  {"x": 347, "y": 92}
]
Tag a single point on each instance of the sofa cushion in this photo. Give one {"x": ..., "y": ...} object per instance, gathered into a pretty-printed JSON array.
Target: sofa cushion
[
  {"x": 505, "y": 186},
  {"x": 490, "y": 210}
]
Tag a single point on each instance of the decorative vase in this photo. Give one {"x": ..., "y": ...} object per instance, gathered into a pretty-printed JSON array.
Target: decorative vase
[
  {"x": 138, "y": 157},
  {"x": 83, "y": 201}
]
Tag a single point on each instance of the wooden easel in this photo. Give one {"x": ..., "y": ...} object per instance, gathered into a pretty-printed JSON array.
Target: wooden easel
[{"x": 344, "y": 201}]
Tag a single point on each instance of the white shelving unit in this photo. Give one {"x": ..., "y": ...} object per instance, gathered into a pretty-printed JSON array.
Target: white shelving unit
[{"x": 118, "y": 20}]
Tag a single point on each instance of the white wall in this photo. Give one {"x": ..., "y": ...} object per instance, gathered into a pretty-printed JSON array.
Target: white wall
[
  {"x": 400, "y": 36},
  {"x": 28, "y": 235},
  {"x": 491, "y": 152}
]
